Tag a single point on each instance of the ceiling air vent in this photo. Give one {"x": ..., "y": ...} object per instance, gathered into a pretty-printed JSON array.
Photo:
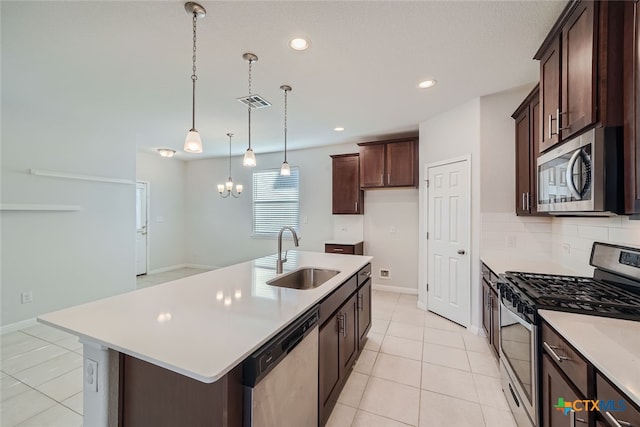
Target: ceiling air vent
[{"x": 255, "y": 101}]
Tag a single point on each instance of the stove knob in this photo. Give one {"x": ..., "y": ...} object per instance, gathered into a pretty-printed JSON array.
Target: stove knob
[{"x": 529, "y": 310}]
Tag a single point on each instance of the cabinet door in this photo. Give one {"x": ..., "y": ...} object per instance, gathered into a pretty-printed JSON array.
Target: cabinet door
[
  {"x": 364, "y": 313},
  {"x": 578, "y": 71},
  {"x": 400, "y": 164},
  {"x": 329, "y": 362},
  {"x": 372, "y": 166},
  {"x": 495, "y": 321},
  {"x": 348, "y": 334},
  {"x": 632, "y": 107},
  {"x": 523, "y": 163},
  {"x": 549, "y": 95},
  {"x": 534, "y": 149},
  {"x": 555, "y": 386},
  {"x": 486, "y": 309},
  {"x": 347, "y": 196}
]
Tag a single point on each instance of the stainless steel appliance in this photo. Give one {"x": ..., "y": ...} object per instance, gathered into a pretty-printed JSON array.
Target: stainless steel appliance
[
  {"x": 281, "y": 378},
  {"x": 614, "y": 291},
  {"x": 583, "y": 175}
]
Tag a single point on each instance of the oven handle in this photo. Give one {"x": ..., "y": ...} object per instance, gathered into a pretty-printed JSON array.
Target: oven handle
[{"x": 520, "y": 320}]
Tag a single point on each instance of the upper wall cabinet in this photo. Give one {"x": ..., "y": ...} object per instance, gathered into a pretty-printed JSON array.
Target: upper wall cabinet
[
  {"x": 392, "y": 163},
  {"x": 632, "y": 107},
  {"x": 581, "y": 71},
  {"x": 347, "y": 198}
]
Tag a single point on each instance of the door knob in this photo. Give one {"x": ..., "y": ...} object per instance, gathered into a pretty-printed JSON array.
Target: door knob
[{"x": 461, "y": 252}]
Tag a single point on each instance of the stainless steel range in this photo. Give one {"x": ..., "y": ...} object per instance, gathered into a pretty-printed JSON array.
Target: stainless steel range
[{"x": 613, "y": 291}]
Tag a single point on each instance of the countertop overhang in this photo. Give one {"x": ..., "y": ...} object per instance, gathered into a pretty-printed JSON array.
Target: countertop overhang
[{"x": 202, "y": 326}]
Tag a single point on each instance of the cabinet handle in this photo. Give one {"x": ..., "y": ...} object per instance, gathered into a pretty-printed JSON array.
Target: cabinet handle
[
  {"x": 344, "y": 325},
  {"x": 550, "y": 349},
  {"x": 356, "y": 206},
  {"x": 523, "y": 207},
  {"x": 338, "y": 250},
  {"x": 388, "y": 178},
  {"x": 573, "y": 419},
  {"x": 381, "y": 179},
  {"x": 616, "y": 422},
  {"x": 528, "y": 201},
  {"x": 550, "y": 125},
  {"x": 341, "y": 324},
  {"x": 558, "y": 126},
  {"x": 489, "y": 298},
  {"x": 361, "y": 302}
]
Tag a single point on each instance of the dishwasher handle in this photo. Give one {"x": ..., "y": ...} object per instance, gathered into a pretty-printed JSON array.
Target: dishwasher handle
[{"x": 292, "y": 342}]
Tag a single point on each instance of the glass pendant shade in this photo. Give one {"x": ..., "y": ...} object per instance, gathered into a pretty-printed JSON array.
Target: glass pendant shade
[
  {"x": 229, "y": 184},
  {"x": 239, "y": 188},
  {"x": 220, "y": 188},
  {"x": 249, "y": 158},
  {"x": 285, "y": 170},
  {"x": 193, "y": 143}
]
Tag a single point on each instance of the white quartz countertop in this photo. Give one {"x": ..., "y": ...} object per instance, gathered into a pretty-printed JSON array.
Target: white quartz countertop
[
  {"x": 500, "y": 263},
  {"x": 202, "y": 326},
  {"x": 343, "y": 242},
  {"x": 611, "y": 345}
]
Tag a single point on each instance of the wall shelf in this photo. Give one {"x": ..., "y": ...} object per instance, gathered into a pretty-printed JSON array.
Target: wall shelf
[
  {"x": 54, "y": 174},
  {"x": 34, "y": 207}
]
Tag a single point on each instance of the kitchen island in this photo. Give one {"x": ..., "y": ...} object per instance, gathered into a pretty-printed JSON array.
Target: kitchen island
[{"x": 189, "y": 336}]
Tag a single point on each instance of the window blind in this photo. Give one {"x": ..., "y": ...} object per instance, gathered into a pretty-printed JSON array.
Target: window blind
[{"x": 275, "y": 201}]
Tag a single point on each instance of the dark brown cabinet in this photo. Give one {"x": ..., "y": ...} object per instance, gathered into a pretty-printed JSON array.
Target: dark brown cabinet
[
  {"x": 392, "y": 163},
  {"x": 343, "y": 248},
  {"x": 527, "y": 148},
  {"x": 490, "y": 308},
  {"x": 632, "y": 107},
  {"x": 347, "y": 198},
  {"x": 581, "y": 71},
  {"x": 620, "y": 411},
  {"x": 554, "y": 386}
]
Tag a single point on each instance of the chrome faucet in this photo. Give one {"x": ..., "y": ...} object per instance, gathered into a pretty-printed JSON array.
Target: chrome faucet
[{"x": 295, "y": 241}]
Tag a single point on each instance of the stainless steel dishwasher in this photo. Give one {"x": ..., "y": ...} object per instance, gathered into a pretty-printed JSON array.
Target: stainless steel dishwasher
[{"x": 281, "y": 378}]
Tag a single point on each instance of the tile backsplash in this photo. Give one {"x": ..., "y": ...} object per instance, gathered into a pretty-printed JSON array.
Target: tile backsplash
[{"x": 565, "y": 240}]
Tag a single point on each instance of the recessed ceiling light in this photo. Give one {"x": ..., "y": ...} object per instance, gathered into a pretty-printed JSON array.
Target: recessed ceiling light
[
  {"x": 166, "y": 152},
  {"x": 299, "y": 43},
  {"x": 338, "y": 129},
  {"x": 427, "y": 83}
]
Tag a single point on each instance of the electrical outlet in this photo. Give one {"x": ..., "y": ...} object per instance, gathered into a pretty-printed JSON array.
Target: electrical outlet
[
  {"x": 566, "y": 248},
  {"x": 392, "y": 229},
  {"x": 385, "y": 273},
  {"x": 91, "y": 375},
  {"x": 26, "y": 297}
]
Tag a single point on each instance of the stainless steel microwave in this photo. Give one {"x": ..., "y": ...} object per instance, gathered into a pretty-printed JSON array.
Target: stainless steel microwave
[{"x": 583, "y": 176}]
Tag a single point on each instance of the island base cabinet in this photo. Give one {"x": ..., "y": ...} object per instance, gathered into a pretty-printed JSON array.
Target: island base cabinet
[
  {"x": 555, "y": 386},
  {"x": 151, "y": 396}
]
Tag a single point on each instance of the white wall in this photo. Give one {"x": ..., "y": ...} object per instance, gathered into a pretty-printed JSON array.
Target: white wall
[
  {"x": 166, "y": 193},
  {"x": 218, "y": 231}
]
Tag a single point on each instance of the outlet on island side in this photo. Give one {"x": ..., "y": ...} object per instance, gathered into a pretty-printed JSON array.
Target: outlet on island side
[
  {"x": 26, "y": 297},
  {"x": 384, "y": 273}
]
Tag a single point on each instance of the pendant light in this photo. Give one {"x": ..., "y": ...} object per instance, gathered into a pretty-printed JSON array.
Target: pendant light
[
  {"x": 193, "y": 143},
  {"x": 228, "y": 186},
  {"x": 249, "y": 156},
  {"x": 285, "y": 170}
]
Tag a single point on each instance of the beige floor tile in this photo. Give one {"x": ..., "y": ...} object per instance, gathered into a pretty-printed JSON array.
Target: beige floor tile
[
  {"x": 11, "y": 387},
  {"x": 497, "y": 418},
  {"x": 440, "y": 410},
  {"x": 398, "y": 369},
  {"x": 72, "y": 344},
  {"x": 17, "y": 343},
  {"x": 402, "y": 347},
  {"x": 414, "y": 316},
  {"x": 367, "y": 419},
  {"x": 381, "y": 313},
  {"x": 353, "y": 389},
  {"x": 57, "y": 416},
  {"x": 405, "y": 330},
  {"x": 410, "y": 300},
  {"x": 484, "y": 363},
  {"x": 46, "y": 333},
  {"x": 341, "y": 416},
  {"x": 64, "y": 386},
  {"x": 449, "y": 381},
  {"x": 379, "y": 326},
  {"x": 31, "y": 358},
  {"x": 74, "y": 403},
  {"x": 490, "y": 392},
  {"x": 374, "y": 341},
  {"x": 476, "y": 343},
  {"x": 24, "y": 406},
  {"x": 365, "y": 362},
  {"x": 443, "y": 337},
  {"x": 445, "y": 356},
  {"x": 432, "y": 320},
  {"x": 50, "y": 369},
  {"x": 391, "y": 400}
]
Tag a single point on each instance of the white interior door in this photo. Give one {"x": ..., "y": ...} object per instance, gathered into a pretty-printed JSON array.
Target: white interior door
[
  {"x": 448, "y": 264},
  {"x": 141, "y": 228}
]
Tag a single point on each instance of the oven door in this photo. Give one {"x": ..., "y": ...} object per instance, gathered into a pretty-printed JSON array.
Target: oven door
[{"x": 518, "y": 339}]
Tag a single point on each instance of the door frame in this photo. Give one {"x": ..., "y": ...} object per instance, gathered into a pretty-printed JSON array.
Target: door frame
[
  {"x": 147, "y": 184},
  {"x": 467, "y": 159}
]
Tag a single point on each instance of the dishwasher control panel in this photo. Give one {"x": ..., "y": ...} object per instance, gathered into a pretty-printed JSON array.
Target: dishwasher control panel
[{"x": 258, "y": 364}]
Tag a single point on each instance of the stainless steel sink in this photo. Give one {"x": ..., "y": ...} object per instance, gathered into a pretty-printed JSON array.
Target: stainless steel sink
[{"x": 303, "y": 278}]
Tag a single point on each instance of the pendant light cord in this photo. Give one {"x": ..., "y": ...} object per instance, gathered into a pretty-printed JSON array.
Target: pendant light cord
[
  {"x": 230, "y": 135},
  {"x": 249, "y": 104},
  {"x": 194, "y": 77},
  {"x": 285, "y": 125}
]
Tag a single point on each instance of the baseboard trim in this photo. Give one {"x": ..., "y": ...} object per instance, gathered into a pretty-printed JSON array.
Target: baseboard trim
[
  {"x": 165, "y": 269},
  {"x": 422, "y": 306},
  {"x": 13, "y": 327},
  {"x": 202, "y": 266},
  {"x": 476, "y": 331},
  {"x": 396, "y": 289}
]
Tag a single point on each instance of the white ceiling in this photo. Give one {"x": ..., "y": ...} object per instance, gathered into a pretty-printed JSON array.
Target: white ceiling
[{"x": 129, "y": 64}]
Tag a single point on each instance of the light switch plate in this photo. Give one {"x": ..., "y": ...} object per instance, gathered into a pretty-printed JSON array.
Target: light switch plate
[{"x": 91, "y": 375}]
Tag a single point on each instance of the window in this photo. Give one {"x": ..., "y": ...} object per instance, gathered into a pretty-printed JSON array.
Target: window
[{"x": 275, "y": 202}]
